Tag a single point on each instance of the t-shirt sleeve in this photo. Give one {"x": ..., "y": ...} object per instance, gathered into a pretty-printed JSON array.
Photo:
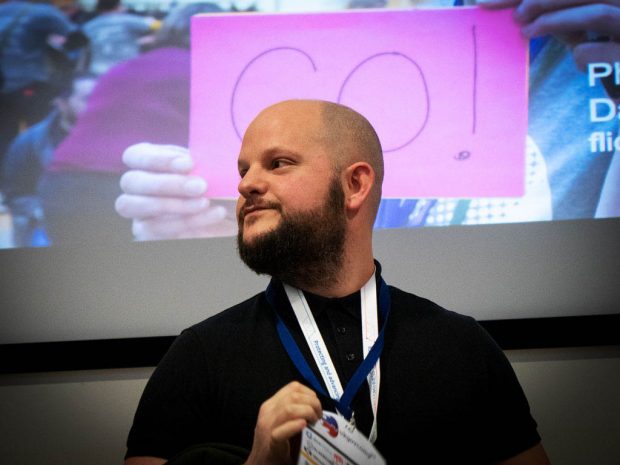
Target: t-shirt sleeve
[
  {"x": 507, "y": 422},
  {"x": 171, "y": 412}
]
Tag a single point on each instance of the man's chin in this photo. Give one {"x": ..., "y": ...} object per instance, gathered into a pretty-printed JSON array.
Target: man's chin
[{"x": 250, "y": 235}]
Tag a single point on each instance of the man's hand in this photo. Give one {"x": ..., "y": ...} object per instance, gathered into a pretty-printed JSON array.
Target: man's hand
[
  {"x": 281, "y": 419},
  {"x": 163, "y": 200},
  {"x": 590, "y": 27}
]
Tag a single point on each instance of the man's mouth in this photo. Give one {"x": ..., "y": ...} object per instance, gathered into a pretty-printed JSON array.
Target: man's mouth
[
  {"x": 253, "y": 208},
  {"x": 248, "y": 210}
]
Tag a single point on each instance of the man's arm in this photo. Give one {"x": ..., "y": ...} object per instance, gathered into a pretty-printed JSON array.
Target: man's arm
[
  {"x": 281, "y": 419},
  {"x": 533, "y": 456}
]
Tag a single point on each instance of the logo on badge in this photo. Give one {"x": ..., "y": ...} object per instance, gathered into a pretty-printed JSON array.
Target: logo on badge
[{"x": 331, "y": 425}]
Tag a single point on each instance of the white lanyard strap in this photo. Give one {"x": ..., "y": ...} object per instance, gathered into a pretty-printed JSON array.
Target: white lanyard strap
[
  {"x": 315, "y": 341},
  {"x": 312, "y": 334},
  {"x": 370, "y": 331}
]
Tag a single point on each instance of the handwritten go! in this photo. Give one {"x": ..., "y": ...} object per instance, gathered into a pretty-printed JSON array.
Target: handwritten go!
[{"x": 440, "y": 86}]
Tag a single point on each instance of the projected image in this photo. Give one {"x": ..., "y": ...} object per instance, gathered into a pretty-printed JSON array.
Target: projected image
[{"x": 479, "y": 124}]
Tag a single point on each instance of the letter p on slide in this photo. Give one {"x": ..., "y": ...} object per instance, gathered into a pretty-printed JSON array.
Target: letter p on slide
[{"x": 603, "y": 70}]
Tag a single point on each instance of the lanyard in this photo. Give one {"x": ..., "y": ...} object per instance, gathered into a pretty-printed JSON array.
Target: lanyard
[{"x": 372, "y": 342}]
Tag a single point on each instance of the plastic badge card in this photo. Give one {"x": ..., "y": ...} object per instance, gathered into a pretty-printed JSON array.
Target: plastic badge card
[
  {"x": 446, "y": 90},
  {"x": 334, "y": 441}
]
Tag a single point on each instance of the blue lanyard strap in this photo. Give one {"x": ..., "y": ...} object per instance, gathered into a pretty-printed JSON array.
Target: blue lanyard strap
[{"x": 344, "y": 403}]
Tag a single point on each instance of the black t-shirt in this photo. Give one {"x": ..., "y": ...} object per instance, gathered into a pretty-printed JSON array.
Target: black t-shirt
[{"x": 447, "y": 393}]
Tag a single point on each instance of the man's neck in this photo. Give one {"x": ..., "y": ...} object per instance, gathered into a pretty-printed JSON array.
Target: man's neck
[{"x": 351, "y": 277}]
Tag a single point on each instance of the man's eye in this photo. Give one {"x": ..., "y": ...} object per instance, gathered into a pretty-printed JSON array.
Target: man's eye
[{"x": 279, "y": 163}]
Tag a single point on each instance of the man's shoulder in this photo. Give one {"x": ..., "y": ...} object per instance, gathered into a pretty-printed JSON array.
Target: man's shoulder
[
  {"x": 412, "y": 310},
  {"x": 243, "y": 314},
  {"x": 417, "y": 321},
  {"x": 423, "y": 307}
]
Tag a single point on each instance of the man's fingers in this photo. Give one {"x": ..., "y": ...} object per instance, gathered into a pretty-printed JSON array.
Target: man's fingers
[
  {"x": 310, "y": 400},
  {"x": 280, "y": 418},
  {"x": 159, "y": 158},
  {"x": 165, "y": 185},
  {"x": 497, "y": 4},
  {"x": 297, "y": 393},
  {"x": 141, "y": 206},
  {"x": 293, "y": 401},
  {"x": 530, "y": 10},
  {"x": 296, "y": 411},
  {"x": 287, "y": 430},
  {"x": 295, "y": 387},
  {"x": 592, "y": 52},
  {"x": 598, "y": 18},
  {"x": 178, "y": 227}
]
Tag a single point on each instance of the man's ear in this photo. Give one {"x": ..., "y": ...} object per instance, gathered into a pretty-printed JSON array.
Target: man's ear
[{"x": 358, "y": 181}]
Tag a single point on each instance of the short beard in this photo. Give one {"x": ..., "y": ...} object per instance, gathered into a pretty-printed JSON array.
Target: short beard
[{"x": 306, "y": 249}]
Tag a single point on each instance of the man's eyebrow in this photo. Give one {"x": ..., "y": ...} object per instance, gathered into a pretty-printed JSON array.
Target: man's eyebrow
[
  {"x": 270, "y": 153},
  {"x": 279, "y": 150}
]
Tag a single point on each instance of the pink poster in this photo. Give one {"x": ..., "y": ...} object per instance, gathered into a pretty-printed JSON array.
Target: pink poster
[{"x": 446, "y": 90}]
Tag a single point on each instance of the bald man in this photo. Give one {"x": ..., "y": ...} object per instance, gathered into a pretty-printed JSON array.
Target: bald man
[{"x": 250, "y": 377}]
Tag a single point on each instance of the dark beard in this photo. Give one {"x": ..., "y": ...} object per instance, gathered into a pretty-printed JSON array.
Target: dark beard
[{"x": 306, "y": 249}]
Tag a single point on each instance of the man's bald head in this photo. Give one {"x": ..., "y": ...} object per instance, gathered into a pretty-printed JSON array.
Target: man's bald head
[
  {"x": 351, "y": 138},
  {"x": 311, "y": 174},
  {"x": 346, "y": 135}
]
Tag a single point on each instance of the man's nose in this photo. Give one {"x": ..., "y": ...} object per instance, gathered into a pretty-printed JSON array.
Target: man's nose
[{"x": 252, "y": 183}]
